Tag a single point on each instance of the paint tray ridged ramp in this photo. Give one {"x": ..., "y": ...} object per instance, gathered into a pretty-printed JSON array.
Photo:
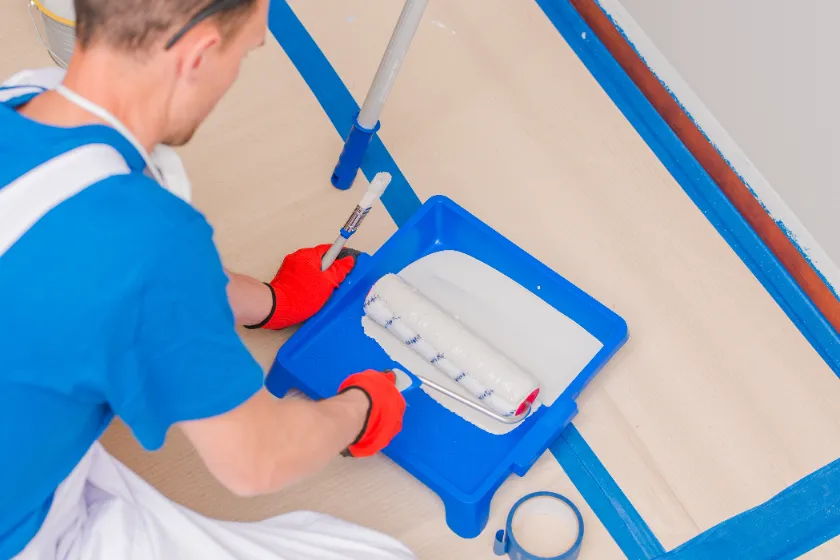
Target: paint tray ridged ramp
[{"x": 543, "y": 322}]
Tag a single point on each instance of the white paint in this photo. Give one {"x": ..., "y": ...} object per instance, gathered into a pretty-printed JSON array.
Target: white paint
[
  {"x": 403, "y": 381},
  {"x": 545, "y": 527},
  {"x": 441, "y": 25},
  {"x": 760, "y": 123},
  {"x": 534, "y": 335}
]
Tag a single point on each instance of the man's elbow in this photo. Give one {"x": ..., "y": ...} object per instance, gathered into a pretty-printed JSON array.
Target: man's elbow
[
  {"x": 245, "y": 455},
  {"x": 257, "y": 477},
  {"x": 244, "y": 487}
]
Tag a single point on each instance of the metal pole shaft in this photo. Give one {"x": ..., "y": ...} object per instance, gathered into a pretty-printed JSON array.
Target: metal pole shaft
[
  {"x": 477, "y": 407},
  {"x": 389, "y": 67}
]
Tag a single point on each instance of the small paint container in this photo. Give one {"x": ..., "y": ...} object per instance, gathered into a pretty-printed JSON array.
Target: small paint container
[
  {"x": 541, "y": 526},
  {"x": 58, "y": 21}
]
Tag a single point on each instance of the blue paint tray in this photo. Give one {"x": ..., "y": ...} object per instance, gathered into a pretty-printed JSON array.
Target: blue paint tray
[{"x": 461, "y": 463}]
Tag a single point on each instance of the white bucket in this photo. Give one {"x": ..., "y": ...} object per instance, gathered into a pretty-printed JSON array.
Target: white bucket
[{"x": 58, "y": 21}]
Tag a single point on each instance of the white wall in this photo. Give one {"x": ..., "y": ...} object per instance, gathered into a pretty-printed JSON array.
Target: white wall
[{"x": 762, "y": 78}]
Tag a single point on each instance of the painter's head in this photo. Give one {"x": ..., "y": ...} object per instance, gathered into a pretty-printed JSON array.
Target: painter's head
[{"x": 193, "y": 49}]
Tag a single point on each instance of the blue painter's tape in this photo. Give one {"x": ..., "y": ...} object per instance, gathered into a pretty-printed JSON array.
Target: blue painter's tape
[
  {"x": 796, "y": 520},
  {"x": 399, "y": 199},
  {"x": 606, "y": 499},
  {"x": 694, "y": 180}
]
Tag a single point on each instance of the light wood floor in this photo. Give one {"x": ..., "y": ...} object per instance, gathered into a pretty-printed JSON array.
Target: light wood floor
[{"x": 715, "y": 404}]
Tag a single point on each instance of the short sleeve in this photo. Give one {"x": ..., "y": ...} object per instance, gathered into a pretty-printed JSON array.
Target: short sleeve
[{"x": 191, "y": 362}]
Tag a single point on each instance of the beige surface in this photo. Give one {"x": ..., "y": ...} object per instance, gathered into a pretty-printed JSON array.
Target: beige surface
[{"x": 715, "y": 404}]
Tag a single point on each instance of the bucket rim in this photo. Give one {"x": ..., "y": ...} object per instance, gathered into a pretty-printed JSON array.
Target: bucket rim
[{"x": 52, "y": 15}]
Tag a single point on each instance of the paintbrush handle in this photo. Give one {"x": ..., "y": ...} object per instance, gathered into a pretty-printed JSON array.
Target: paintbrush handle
[{"x": 374, "y": 191}]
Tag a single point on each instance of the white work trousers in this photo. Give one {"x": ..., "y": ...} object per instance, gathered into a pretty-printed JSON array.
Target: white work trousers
[{"x": 104, "y": 511}]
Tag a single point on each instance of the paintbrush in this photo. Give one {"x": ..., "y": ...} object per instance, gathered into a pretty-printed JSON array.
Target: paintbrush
[{"x": 374, "y": 191}]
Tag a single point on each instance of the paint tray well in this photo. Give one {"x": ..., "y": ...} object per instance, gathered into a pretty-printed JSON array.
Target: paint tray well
[{"x": 460, "y": 462}]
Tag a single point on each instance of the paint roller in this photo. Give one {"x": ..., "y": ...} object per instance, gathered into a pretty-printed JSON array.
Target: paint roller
[{"x": 502, "y": 387}]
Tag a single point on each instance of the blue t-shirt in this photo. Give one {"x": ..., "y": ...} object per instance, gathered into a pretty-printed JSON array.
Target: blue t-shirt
[{"x": 113, "y": 303}]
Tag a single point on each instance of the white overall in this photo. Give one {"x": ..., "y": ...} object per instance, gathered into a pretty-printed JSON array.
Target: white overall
[{"x": 104, "y": 511}]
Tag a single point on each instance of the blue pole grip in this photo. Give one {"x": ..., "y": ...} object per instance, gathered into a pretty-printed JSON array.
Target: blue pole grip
[{"x": 355, "y": 147}]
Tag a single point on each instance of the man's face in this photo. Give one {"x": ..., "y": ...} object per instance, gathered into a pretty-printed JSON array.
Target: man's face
[{"x": 204, "y": 78}]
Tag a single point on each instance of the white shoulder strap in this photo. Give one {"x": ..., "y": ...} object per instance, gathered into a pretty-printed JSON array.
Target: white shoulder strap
[
  {"x": 165, "y": 158},
  {"x": 35, "y": 80},
  {"x": 7, "y": 93},
  {"x": 46, "y": 77},
  {"x": 27, "y": 199}
]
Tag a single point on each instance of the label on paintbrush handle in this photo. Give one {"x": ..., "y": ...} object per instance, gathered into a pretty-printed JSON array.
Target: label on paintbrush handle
[{"x": 354, "y": 221}]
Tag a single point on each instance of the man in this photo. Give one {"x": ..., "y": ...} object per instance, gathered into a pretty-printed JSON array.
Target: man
[{"x": 115, "y": 302}]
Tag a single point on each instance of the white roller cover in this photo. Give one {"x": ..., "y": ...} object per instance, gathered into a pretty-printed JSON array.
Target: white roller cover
[{"x": 441, "y": 339}]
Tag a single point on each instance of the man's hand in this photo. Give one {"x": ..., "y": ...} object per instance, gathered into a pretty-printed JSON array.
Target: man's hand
[
  {"x": 300, "y": 289},
  {"x": 384, "y": 418}
]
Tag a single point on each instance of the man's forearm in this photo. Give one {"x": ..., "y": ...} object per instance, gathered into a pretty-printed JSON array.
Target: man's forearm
[
  {"x": 268, "y": 443},
  {"x": 249, "y": 298},
  {"x": 322, "y": 430}
]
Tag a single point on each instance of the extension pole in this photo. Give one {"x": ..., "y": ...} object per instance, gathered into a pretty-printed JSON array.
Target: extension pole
[{"x": 366, "y": 122}]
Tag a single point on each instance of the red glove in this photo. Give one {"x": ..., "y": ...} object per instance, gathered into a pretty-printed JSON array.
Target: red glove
[
  {"x": 300, "y": 289},
  {"x": 384, "y": 419}
]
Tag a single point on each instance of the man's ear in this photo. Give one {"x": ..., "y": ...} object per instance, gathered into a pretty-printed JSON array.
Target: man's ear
[{"x": 195, "y": 52}]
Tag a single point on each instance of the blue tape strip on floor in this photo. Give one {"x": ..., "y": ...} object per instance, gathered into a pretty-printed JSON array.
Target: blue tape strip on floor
[
  {"x": 399, "y": 198},
  {"x": 606, "y": 499},
  {"x": 796, "y": 520},
  {"x": 694, "y": 180}
]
